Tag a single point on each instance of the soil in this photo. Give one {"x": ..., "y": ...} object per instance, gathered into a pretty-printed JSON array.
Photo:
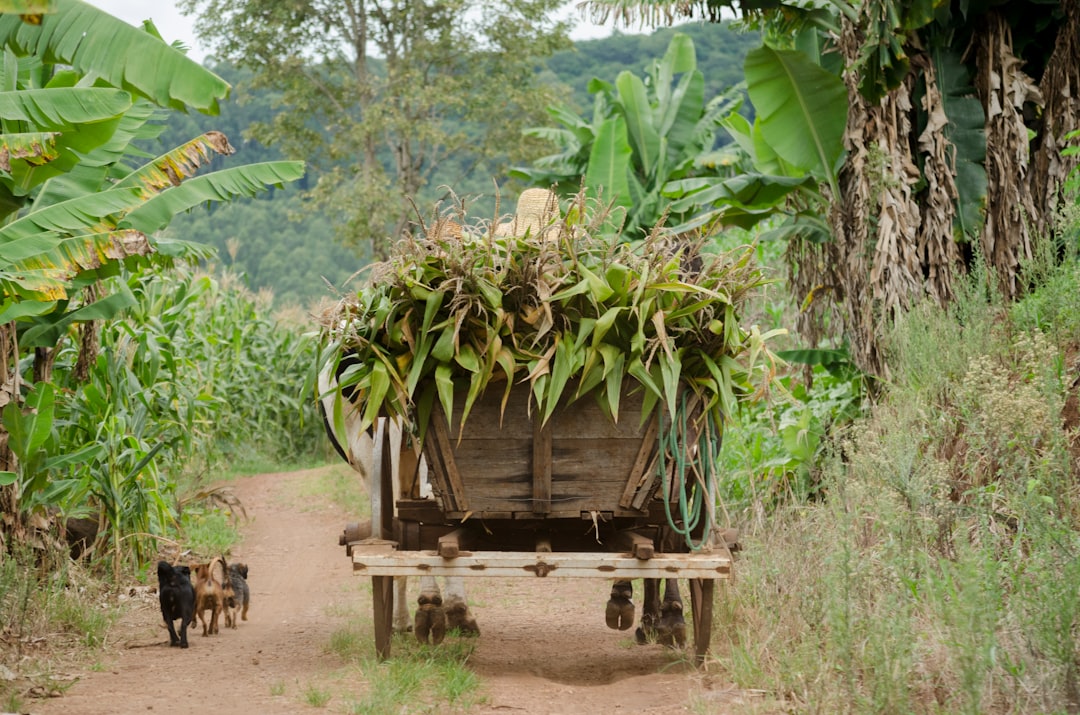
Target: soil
[{"x": 544, "y": 647}]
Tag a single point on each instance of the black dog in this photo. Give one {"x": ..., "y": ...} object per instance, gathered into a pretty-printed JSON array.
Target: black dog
[{"x": 177, "y": 597}]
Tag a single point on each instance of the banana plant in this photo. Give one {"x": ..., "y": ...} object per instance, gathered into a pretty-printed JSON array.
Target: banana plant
[
  {"x": 86, "y": 87},
  {"x": 644, "y": 133},
  {"x": 794, "y": 145}
]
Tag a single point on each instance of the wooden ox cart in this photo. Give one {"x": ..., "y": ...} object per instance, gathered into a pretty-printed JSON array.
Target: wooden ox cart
[{"x": 579, "y": 497}]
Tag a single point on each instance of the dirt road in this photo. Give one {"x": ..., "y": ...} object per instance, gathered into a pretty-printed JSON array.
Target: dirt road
[{"x": 544, "y": 647}]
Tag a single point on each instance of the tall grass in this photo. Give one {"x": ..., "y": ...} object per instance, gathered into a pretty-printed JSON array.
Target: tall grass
[{"x": 937, "y": 570}]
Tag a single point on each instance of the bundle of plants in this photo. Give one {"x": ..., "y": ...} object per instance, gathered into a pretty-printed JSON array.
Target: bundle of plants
[{"x": 549, "y": 302}]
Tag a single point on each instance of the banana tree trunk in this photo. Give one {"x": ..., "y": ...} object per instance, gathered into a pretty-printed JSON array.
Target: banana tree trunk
[
  {"x": 1060, "y": 87},
  {"x": 1012, "y": 218},
  {"x": 9, "y": 390}
]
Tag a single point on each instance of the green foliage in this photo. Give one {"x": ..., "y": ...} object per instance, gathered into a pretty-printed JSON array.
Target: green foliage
[
  {"x": 801, "y": 109},
  {"x": 570, "y": 314},
  {"x": 441, "y": 77},
  {"x": 189, "y": 366},
  {"x": 720, "y": 47},
  {"x": 643, "y": 135}
]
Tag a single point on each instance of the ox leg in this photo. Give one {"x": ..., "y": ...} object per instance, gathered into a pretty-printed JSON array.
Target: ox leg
[
  {"x": 619, "y": 613},
  {"x": 430, "y": 621},
  {"x": 671, "y": 629},
  {"x": 650, "y": 612},
  {"x": 401, "y": 605},
  {"x": 457, "y": 607}
]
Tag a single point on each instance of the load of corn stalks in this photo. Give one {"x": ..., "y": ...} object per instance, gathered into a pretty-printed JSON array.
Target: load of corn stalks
[{"x": 542, "y": 302}]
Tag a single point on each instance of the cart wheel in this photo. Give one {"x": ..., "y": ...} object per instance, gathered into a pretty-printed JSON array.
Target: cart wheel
[
  {"x": 382, "y": 598},
  {"x": 702, "y": 591}
]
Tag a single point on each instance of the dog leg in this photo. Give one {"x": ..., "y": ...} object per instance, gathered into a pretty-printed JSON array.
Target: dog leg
[
  {"x": 430, "y": 621},
  {"x": 401, "y": 605},
  {"x": 185, "y": 621},
  {"x": 173, "y": 639},
  {"x": 457, "y": 607}
]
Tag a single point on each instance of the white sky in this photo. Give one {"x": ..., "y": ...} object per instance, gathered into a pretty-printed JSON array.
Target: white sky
[{"x": 174, "y": 26}]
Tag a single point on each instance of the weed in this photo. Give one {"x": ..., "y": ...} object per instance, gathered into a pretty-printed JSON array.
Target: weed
[
  {"x": 277, "y": 687},
  {"x": 209, "y": 532},
  {"x": 316, "y": 697}
]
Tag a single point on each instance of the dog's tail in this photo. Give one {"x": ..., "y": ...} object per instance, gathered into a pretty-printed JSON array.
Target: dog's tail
[{"x": 219, "y": 570}]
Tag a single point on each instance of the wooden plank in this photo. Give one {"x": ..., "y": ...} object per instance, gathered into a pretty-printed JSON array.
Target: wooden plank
[
  {"x": 640, "y": 476},
  {"x": 409, "y": 469},
  {"x": 440, "y": 485},
  {"x": 382, "y": 589},
  {"x": 459, "y": 499},
  {"x": 645, "y": 492},
  {"x": 639, "y": 545},
  {"x": 541, "y": 468},
  {"x": 701, "y": 602},
  {"x": 452, "y": 544},
  {"x": 520, "y": 564}
]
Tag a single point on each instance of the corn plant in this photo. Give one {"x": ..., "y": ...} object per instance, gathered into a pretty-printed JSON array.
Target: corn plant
[{"x": 558, "y": 309}]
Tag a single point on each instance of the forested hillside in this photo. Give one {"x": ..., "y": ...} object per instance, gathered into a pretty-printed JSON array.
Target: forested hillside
[{"x": 275, "y": 243}]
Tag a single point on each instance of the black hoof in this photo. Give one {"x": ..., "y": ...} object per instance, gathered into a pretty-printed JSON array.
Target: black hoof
[{"x": 619, "y": 614}]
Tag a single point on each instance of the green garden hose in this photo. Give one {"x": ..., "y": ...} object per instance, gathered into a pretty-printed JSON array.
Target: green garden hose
[{"x": 693, "y": 477}]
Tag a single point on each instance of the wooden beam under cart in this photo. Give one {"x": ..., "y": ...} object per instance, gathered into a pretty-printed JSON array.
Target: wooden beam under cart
[{"x": 382, "y": 560}]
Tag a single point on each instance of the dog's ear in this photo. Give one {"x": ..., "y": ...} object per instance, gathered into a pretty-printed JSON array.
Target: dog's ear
[
  {"x": 244, "y": 571},
  {"x": 184, "y": 570}
]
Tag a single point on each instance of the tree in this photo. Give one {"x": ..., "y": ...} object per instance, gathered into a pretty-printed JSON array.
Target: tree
[
  {"x": 74, "y": 208},
  {"x": 379, "y": 93},
  {"x": 957, "y": 117}
]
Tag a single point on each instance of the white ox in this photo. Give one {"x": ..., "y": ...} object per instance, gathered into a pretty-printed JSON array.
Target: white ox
[{"x": 439, "y": 610}]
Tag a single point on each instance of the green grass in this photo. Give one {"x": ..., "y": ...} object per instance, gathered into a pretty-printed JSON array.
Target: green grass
[
  {"x": 337, "y": 483},
  {"x": 277, "y": 688},
  {"x": 210, "y": 532},
  {"x": 416, "y": 679},
  {"x": 316, "y": 697}
]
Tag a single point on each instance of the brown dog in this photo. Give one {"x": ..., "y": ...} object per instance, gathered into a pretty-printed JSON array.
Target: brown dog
[
  {"x": 237, "y": 594},
  {"x": 209, "y": 593}
]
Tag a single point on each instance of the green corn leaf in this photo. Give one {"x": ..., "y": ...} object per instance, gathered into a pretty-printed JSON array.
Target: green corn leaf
[
  {"x": 444, "y": 383},
  {"x": 376, "y": 394},
  {"x": 670, "y": 372},
  {"x": 443, "y": 351},
  {"x": 468, "y": 358},
  {"x": 562, "y": 367}
]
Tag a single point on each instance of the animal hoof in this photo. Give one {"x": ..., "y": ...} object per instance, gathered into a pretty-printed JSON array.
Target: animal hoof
[
  {"x": 671, "y": 630},
  {"x": 458, "y": 616},
  {"x": 429, "y": 624},
  {"x": 619, "y": 614}
]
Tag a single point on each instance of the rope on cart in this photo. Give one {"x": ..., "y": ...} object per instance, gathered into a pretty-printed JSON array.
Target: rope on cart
[{"x": 696, "y": 495}]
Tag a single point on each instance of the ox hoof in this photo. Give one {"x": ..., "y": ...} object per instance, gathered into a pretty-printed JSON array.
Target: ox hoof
[
  {"x": 619, "y": 614},
  {"x": 429, "y": 625},
  {"x": 458, "y": 616},
  {"x": 672, "y": 631}
]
